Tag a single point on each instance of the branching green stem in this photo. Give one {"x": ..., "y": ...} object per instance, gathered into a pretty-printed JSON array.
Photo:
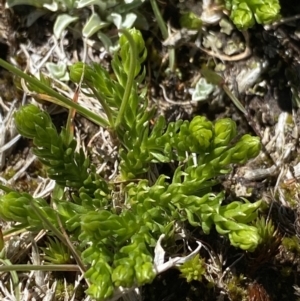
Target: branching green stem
[{"x": 133, "y": 57}]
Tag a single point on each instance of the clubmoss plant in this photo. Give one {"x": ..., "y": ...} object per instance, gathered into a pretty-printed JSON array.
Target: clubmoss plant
[
  {"x": 292, "y": 244},
  {"x": 235, "y": 287},
  {"x": 245, "y": 13},
  {"x": 115, "y": 246},
  {"x": 56, "y": 252},
  {"x": 193, "y": 269}
]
